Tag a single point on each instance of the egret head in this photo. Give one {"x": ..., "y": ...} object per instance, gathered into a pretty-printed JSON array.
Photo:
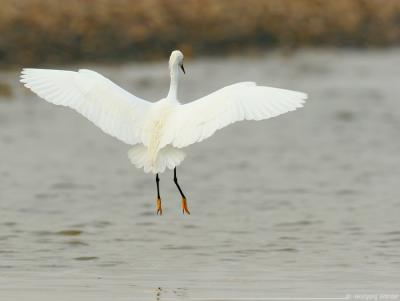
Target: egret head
[{"x": 176, "y": 59}]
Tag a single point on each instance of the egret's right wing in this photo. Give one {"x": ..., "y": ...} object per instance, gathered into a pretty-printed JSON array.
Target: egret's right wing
[
  {"x": 114, "y": 110},
  {"x": 198, "y": 120}
]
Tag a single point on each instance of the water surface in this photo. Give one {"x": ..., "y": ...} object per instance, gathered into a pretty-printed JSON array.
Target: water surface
[{"x": 303, "y": 205}]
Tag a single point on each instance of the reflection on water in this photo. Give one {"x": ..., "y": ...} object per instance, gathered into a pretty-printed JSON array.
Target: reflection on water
[{"x": 302, "y": 205}]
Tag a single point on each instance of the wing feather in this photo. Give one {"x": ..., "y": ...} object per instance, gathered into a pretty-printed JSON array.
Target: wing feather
[
  {"x": 198, "y": 120},
  {"x": 114, "y": 110}
]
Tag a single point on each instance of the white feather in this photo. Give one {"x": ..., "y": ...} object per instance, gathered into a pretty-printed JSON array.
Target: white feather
[
  {"x": 198, "y": 120},
  {"x": 114, "y": 110},
  {"x": 167, "y": 157}
]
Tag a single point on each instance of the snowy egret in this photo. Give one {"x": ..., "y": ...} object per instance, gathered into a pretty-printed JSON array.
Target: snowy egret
[{"x": 158, "y": 131}]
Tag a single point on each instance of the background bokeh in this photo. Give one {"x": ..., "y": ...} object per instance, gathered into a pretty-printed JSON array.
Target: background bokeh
[{"x": 50, "y": 31}]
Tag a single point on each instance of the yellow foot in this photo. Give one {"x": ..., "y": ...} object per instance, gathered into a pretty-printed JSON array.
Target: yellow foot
[
  {"x": 185, "y": 208},
  {"x": 159, "y": 208}
]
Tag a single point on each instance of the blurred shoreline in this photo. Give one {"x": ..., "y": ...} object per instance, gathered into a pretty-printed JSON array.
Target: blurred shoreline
[{"x": 36, "y": 32}]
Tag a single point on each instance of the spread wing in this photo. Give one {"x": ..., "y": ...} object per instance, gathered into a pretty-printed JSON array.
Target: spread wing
[
  {"x": 114, "y": 110},
  {"x": 198, "y": 120}
]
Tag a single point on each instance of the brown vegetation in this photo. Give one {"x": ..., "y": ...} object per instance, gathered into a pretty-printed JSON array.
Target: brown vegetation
[
  {"x": 5, "y": 91},
  {"x": 40, "y": 31}
]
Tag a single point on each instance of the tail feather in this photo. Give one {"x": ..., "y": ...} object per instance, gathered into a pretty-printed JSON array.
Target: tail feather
[{"x": 167, "y": 157}]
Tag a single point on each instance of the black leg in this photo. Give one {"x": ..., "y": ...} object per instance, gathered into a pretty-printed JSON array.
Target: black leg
[
  {"x": 159, "y": 208},
  {"x": 184, "y": 203},
  {"x": 158, "y": 186},
  {"x": 177, "y": 185}
]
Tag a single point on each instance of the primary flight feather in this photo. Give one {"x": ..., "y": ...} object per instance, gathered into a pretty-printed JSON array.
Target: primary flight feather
[{"x": 158, "y": 131}]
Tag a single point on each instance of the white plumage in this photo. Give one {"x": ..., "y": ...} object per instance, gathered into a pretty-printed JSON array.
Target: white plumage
[{"x": 158, "y": 130}]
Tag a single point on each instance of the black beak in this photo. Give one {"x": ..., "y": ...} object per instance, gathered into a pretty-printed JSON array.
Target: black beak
[{"x": 183, "y": 69}]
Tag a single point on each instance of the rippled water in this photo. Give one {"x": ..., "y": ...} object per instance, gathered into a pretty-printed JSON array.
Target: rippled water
[{"x": 304, "y": 205}]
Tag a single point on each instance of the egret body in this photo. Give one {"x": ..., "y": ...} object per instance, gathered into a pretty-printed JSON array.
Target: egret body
[{"x": 159, "y": 131}]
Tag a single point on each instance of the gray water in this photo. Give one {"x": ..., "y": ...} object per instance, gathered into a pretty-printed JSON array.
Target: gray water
[{"x": 305, "y": 205}]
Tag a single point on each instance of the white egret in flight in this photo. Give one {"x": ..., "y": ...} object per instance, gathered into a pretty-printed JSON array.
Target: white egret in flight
[{"x": 158, "y": 132}]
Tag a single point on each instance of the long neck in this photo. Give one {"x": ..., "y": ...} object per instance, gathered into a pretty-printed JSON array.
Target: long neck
[{"x": 173, "y": 87}]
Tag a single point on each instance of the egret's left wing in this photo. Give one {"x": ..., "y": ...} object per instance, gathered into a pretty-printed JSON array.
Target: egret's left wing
[{"x": 198, "y": 120}]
